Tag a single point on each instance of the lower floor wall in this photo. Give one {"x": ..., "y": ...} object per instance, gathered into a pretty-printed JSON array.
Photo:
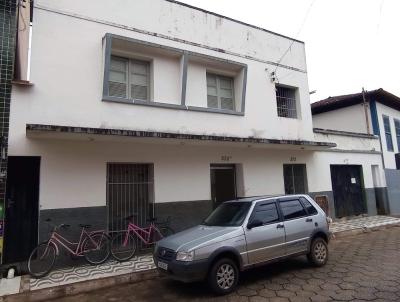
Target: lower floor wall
[
  {"x": 74, "y": 182},
  {"x": 393, "y": 185}
]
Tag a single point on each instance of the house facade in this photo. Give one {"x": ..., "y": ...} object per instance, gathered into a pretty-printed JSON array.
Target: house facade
[
  {"x": 167, "y": 114},
  {"x": 376, "y": 112}
]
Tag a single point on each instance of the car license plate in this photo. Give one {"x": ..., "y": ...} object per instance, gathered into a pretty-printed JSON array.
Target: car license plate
[{"x": 163, "y": 265}]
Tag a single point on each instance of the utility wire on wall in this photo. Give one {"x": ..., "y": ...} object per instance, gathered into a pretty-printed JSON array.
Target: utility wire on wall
[{"x": 297, "y": 34}]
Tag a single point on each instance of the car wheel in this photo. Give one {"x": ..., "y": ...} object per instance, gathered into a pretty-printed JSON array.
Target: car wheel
[
  {"x": 319, "y": 253},
  {"x": 223, "y": 276}
]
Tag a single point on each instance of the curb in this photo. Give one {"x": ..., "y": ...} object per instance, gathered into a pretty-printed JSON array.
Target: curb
[
  {"x": 80, "y": 287},
  {"x": 358, "y": 231}
]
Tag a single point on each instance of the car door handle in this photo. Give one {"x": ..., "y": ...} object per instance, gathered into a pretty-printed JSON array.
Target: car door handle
[
  {"x": 309, "y": 220},
  {"x": 280, "y": 226}
]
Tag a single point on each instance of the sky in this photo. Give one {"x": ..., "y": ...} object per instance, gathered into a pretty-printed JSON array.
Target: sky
[{"x": 350, "y": 44}]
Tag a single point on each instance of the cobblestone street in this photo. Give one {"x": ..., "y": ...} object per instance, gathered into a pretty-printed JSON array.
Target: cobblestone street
[{"x": 365, "y": 267}]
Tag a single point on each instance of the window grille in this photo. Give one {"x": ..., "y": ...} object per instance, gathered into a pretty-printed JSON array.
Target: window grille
[
  {"x": 295, "y": 179},
  {"x": 286, "y": 102},
  {"x": 134, "y": 72},
  {"x": 388, "y": 133},
  {"x": 220, "y": 92}
]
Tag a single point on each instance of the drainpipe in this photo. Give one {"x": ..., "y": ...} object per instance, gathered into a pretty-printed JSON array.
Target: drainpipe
[{"x": 366, "y": 111}]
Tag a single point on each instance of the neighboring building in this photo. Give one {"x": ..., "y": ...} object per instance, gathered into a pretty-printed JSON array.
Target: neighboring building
[
  {"x": 159, "y": 108},
  {"x": 378, "y": 112}
]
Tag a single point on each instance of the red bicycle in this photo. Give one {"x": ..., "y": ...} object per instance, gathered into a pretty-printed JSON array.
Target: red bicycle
[
  {"x": 93, "y": 245},
  {"x": 123, "y": 244}
]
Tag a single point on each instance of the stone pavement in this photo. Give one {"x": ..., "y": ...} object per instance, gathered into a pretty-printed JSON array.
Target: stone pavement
[{"x": 365, "y": 267}]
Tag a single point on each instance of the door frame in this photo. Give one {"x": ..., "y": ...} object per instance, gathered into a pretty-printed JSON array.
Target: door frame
[{"x": 220, "y": 166}]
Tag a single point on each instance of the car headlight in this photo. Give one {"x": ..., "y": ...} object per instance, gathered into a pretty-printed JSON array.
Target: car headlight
[{"x": 185, "y": 256}]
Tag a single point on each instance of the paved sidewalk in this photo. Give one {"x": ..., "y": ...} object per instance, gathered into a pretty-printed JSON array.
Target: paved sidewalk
[
  {"x": 74, "y": 275},
  {"x": 364, "y": 267}
]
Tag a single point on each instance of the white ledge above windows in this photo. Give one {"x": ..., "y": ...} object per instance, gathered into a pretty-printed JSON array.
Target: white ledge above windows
[{"x": 147, "y": 74}]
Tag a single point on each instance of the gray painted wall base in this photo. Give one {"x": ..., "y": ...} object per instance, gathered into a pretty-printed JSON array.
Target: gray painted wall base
[{"x": 393, "y": 185}]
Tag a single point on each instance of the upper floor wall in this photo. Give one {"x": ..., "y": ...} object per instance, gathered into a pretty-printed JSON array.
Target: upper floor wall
[
  {"x": 177, "y": 62},
  {"x": 351, "y": 119}
]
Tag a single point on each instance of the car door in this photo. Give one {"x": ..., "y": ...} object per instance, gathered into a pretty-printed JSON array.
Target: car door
[
  {"x": 266, "y": 241},
  {"x": 298, "y": 225}
]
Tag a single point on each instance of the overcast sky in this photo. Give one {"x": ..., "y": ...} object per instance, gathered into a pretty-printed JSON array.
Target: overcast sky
[{"x": 350, "y": 44}]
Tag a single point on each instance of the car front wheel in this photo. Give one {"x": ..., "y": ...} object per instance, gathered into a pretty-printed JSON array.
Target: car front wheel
[
  {"x": 318, "y": 255},
  {"x": 223, "y": 276}
]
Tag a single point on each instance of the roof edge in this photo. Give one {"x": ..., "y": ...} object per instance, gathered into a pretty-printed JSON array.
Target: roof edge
[{"x": 232, "y": 19}]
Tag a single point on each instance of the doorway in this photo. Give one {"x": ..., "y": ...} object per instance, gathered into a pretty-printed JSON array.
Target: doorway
[
  {"x": 348, "y": 190},
  {"x": 223, "y": 183},
  {"x": 22, "y": 208}
]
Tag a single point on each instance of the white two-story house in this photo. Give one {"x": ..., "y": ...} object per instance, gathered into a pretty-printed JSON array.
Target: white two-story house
[
  {"x": 156, "y": 108},
  {"x": 374, "y": 112}
]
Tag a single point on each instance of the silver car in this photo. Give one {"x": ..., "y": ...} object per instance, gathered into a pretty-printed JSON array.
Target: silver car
[{"x": 241, "y": 234}]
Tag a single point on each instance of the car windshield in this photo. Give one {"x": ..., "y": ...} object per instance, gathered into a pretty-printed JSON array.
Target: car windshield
[{"x": 228, "y": 214}]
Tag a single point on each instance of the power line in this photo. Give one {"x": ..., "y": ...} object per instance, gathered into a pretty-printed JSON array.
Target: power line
[{"x": 299, "y": 31}]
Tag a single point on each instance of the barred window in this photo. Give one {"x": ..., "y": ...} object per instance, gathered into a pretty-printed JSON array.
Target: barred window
[
  {"x": 286, "y": 101},
  {"x": 129, "y": 79},
  {"x": 220, "y": 92},
  {"x": 388, "y": 133}
]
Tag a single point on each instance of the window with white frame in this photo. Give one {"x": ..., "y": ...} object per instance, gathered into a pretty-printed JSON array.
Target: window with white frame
[
  {"x": 129, "y": 78},
  {"x": 286, "y": 101},
  {"x": 220, "y": 92},
  {"x": 388, "y": 133},
  {"x": 397, "y": 130}
]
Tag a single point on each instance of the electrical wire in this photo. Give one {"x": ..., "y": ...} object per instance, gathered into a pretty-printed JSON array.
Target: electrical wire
[{"x": 299, "y": 31}]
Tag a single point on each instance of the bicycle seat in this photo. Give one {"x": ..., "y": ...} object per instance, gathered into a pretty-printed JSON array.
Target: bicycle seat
[{"x": 86, "y": 226}]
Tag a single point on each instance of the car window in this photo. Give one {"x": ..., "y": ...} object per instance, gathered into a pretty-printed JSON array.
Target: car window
[
  {"x": 228, "y": 214},
  {"x": 292, "y": 209},
  {"x": 311, "y": 210},
  {"x": 266, "y": 213}
]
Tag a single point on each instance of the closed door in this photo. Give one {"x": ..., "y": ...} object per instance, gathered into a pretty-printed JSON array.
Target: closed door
[
  {"x": 223, "y": 183},
  {"x": 298, "y": 226},
  {"x": 348, "y": 190},
  {"x": 265, "y": 242},
  {"x": 22, "y": 208}
]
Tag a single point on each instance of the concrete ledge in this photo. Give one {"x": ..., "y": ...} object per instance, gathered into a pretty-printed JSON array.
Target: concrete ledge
[
  {"x": 80, "y": 287},
  {"x": 358, "y": 231}
]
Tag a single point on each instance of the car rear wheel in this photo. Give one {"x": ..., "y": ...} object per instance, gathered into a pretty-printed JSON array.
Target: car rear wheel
[
  {"x": 319, "y": 253},
  {"x": 223, "y": 276}
]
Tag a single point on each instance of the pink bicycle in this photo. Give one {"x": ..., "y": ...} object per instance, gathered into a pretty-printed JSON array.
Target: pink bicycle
[
  {"x": 94, "y": 246},
  {"x": 123, "y": 244}
]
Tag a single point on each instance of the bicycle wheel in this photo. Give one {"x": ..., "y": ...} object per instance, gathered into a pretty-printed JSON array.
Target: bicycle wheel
[
  {"x": 96, "y": 248},
  {"x": 42, "y": 259},
  {"x": 121, "y": 251},
  {"x": 166, "y": 231}
]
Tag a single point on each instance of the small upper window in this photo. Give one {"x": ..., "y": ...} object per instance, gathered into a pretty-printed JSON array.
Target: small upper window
[
  {"x": 388, "y": 133},
  {"x": 129, "y": 79},
  {"x": 220, "y": 92},
  {"x": 397, "y": 129},
  {"x": 311, "y": 210},
  {"x": 266, "y": 213},
  {"x": 286, "y": 101},
  {"x": 292, "y": 209}
]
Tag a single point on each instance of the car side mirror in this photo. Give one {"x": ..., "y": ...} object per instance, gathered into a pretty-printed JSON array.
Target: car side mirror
[{"x": 254, "y": 223}]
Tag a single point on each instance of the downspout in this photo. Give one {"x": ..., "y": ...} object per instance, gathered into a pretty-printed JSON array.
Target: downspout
[{"x": 366, "y": 111}]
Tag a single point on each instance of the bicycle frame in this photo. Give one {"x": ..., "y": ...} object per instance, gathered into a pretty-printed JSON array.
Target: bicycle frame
[
  {"x": 144, "y": 234},
  {"x": 57, "y": 239}
]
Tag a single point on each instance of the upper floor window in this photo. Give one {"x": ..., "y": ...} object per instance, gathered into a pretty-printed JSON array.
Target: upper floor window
[
  {"x": 397, "y": 129},
  {"x": 129, "y": 78},
  {"x": 220, "y": 92},
  {"x": 286, "y": 101},
  {"x": 388, "y": 133}
]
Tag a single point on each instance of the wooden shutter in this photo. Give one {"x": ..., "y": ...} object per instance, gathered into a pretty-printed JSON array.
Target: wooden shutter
[
  {"x": 139, "y": 78},
  {"x": 118, "y": 77}
]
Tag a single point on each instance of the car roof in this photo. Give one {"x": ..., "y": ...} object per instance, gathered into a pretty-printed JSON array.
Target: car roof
[{"x": 263, "y": 197}]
